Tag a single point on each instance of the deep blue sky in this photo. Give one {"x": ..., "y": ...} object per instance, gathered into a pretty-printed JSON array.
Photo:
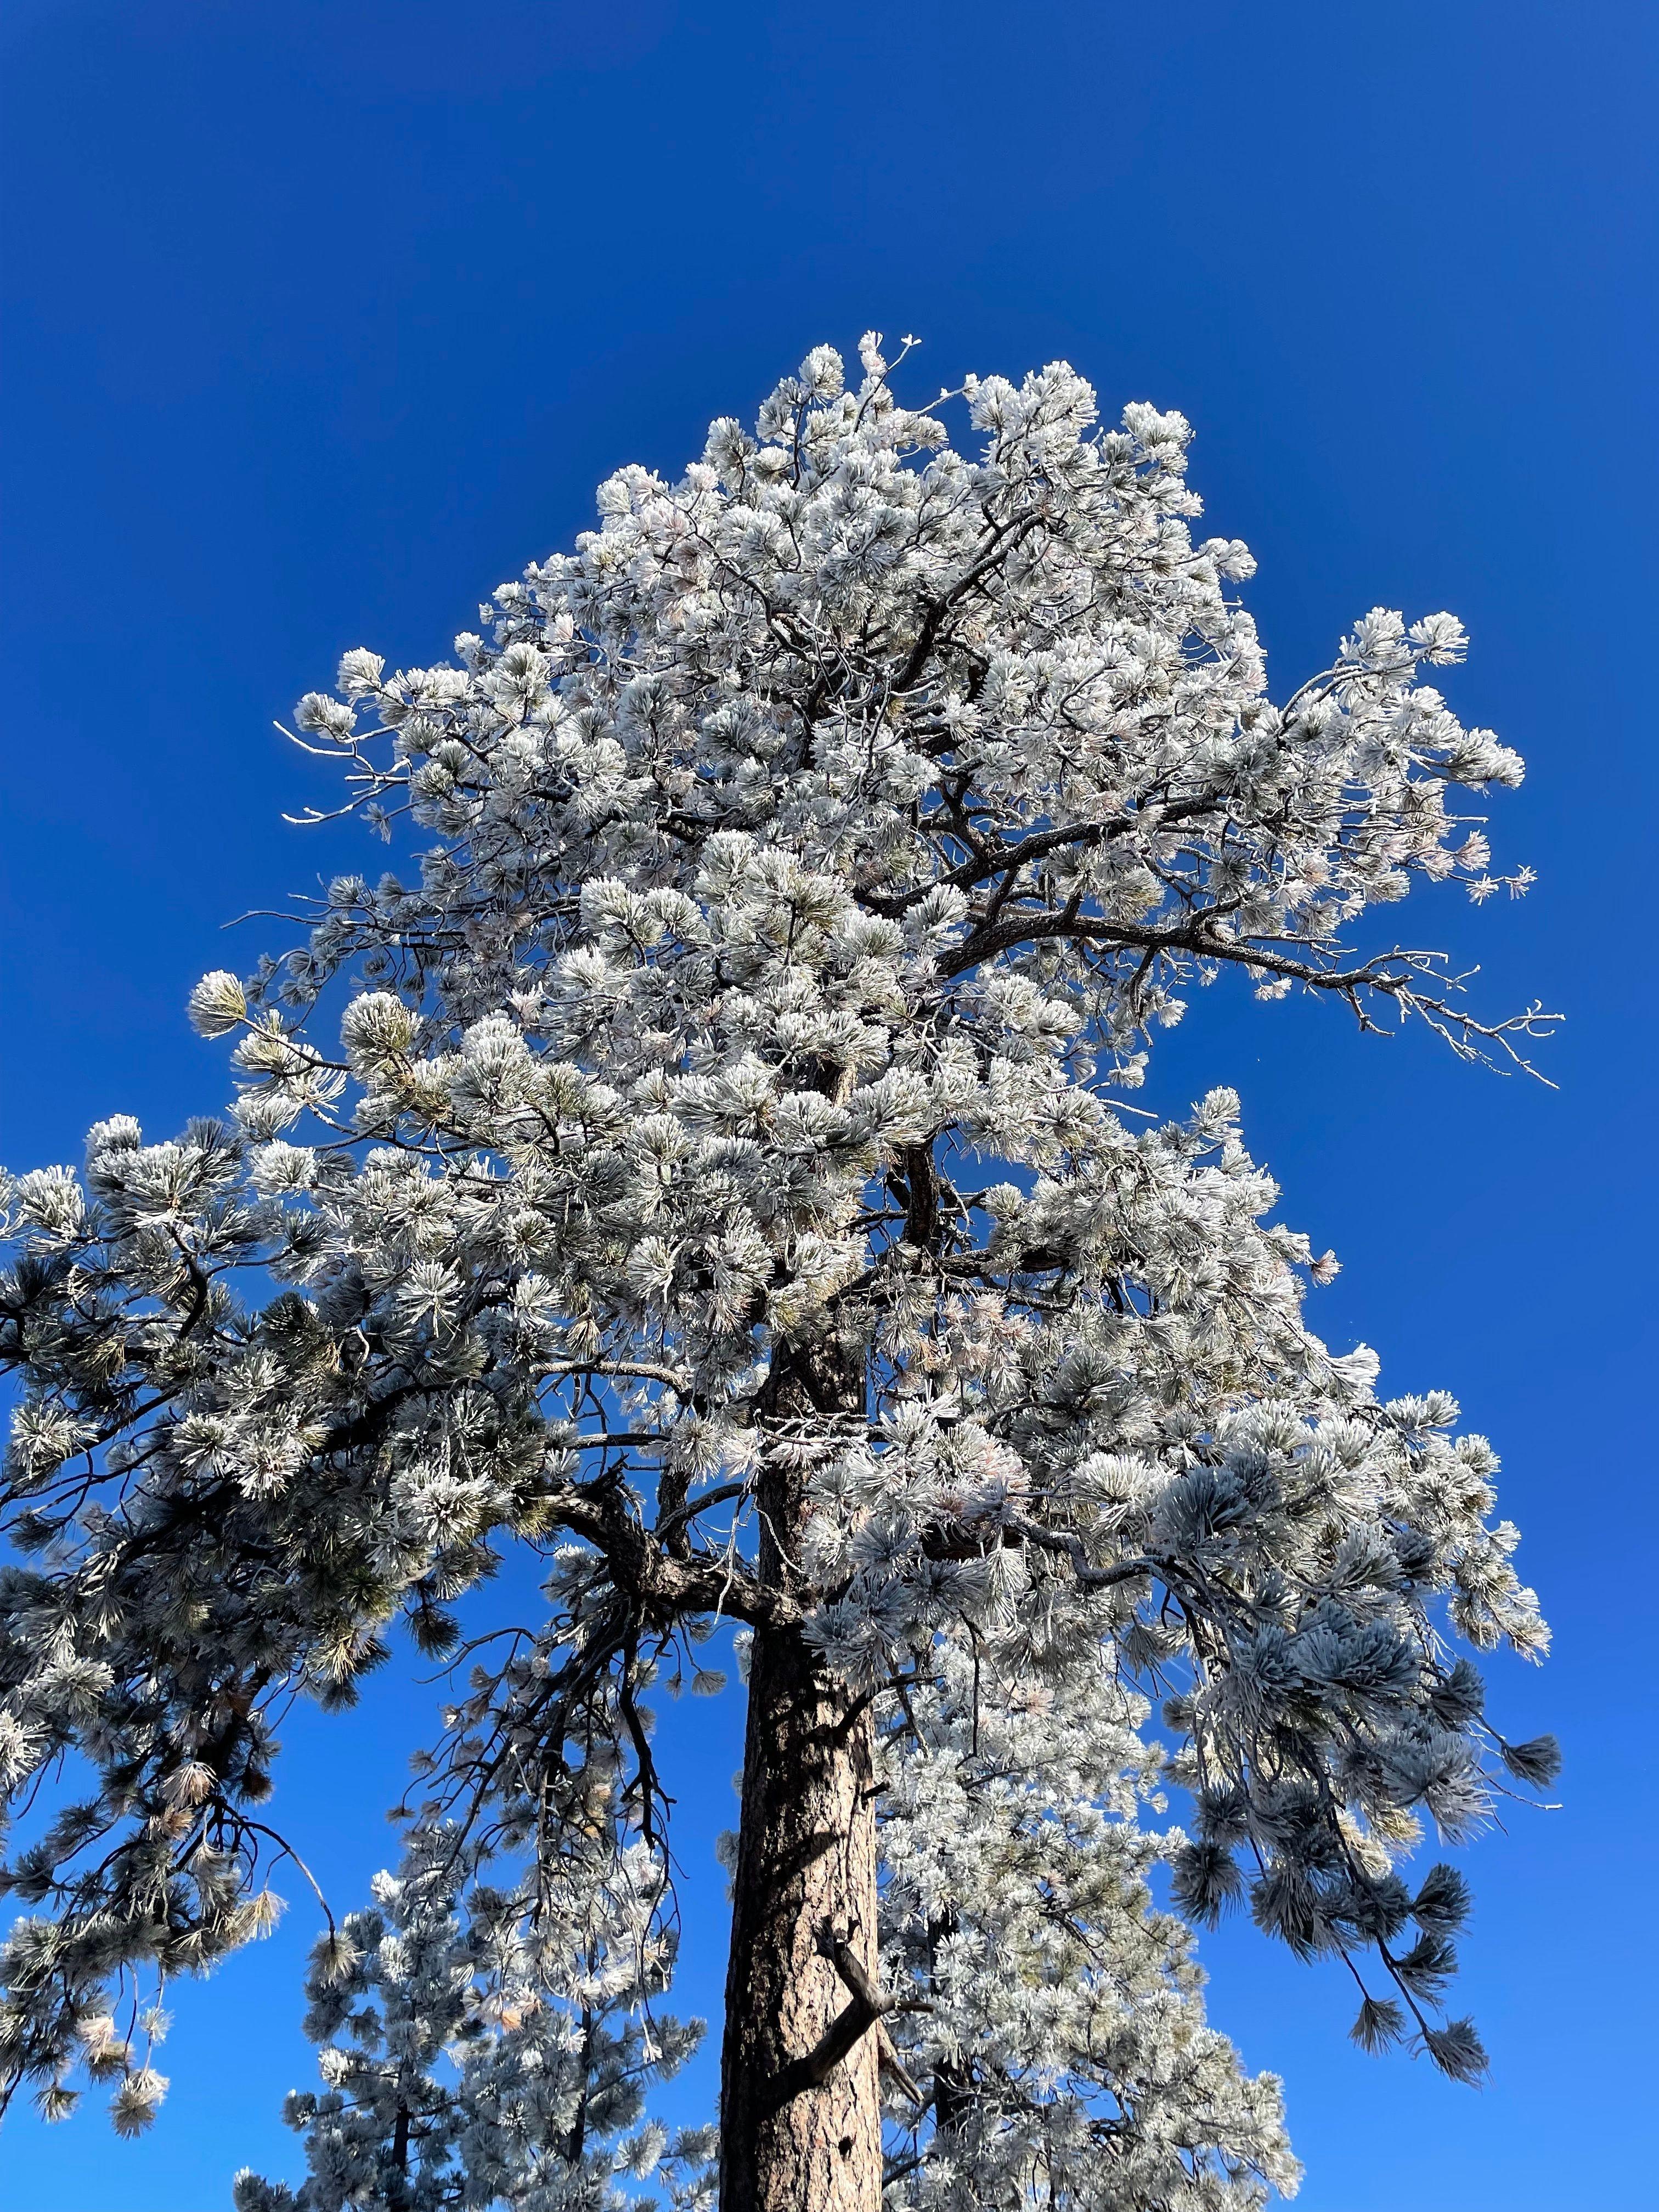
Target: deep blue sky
[{"x": 320, "y": 320}]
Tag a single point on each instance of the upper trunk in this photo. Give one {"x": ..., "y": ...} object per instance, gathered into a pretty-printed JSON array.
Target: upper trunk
[{"x": 806, "y": 1880}]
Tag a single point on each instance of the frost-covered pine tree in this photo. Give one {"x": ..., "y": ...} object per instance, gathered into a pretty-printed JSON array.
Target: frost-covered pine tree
[
  {"x": 707, "y": 1172},
  {"x": 493, "y": 2050}
]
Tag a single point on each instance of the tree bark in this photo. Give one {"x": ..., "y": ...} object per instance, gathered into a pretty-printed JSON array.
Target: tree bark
[{"x": 806, "y": 1880}]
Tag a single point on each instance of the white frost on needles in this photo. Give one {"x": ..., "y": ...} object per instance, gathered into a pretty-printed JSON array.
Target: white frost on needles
[{"x": 809, "y": 854}]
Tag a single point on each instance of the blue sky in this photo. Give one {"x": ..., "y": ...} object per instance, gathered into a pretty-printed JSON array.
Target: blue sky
[{"x": 320, "y": 320}]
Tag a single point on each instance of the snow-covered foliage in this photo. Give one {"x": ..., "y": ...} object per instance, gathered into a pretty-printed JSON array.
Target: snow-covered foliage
[
  {"x": 810, "y": 855},
  {"x": 1064, "y": 2045},
  {"x": 498, "y": 2052}
]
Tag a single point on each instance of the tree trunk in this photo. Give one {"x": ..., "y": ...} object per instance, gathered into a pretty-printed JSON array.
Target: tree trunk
[{"x": 805, "y": 1878}]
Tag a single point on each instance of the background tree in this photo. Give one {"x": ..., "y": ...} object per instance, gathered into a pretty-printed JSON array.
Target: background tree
[
  {"x": 541, "y": 2019},
  {"x": 717, "y": 1187}
]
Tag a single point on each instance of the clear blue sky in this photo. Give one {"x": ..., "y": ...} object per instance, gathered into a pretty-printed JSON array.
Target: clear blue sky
[{"x": 323, "y": 316}]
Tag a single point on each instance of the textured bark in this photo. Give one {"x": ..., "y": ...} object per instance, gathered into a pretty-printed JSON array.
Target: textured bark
[{"x": 805, "y": 1878}]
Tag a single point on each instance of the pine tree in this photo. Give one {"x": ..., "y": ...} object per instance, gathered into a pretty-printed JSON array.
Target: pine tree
[{"x": 721, "y": 1187}]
